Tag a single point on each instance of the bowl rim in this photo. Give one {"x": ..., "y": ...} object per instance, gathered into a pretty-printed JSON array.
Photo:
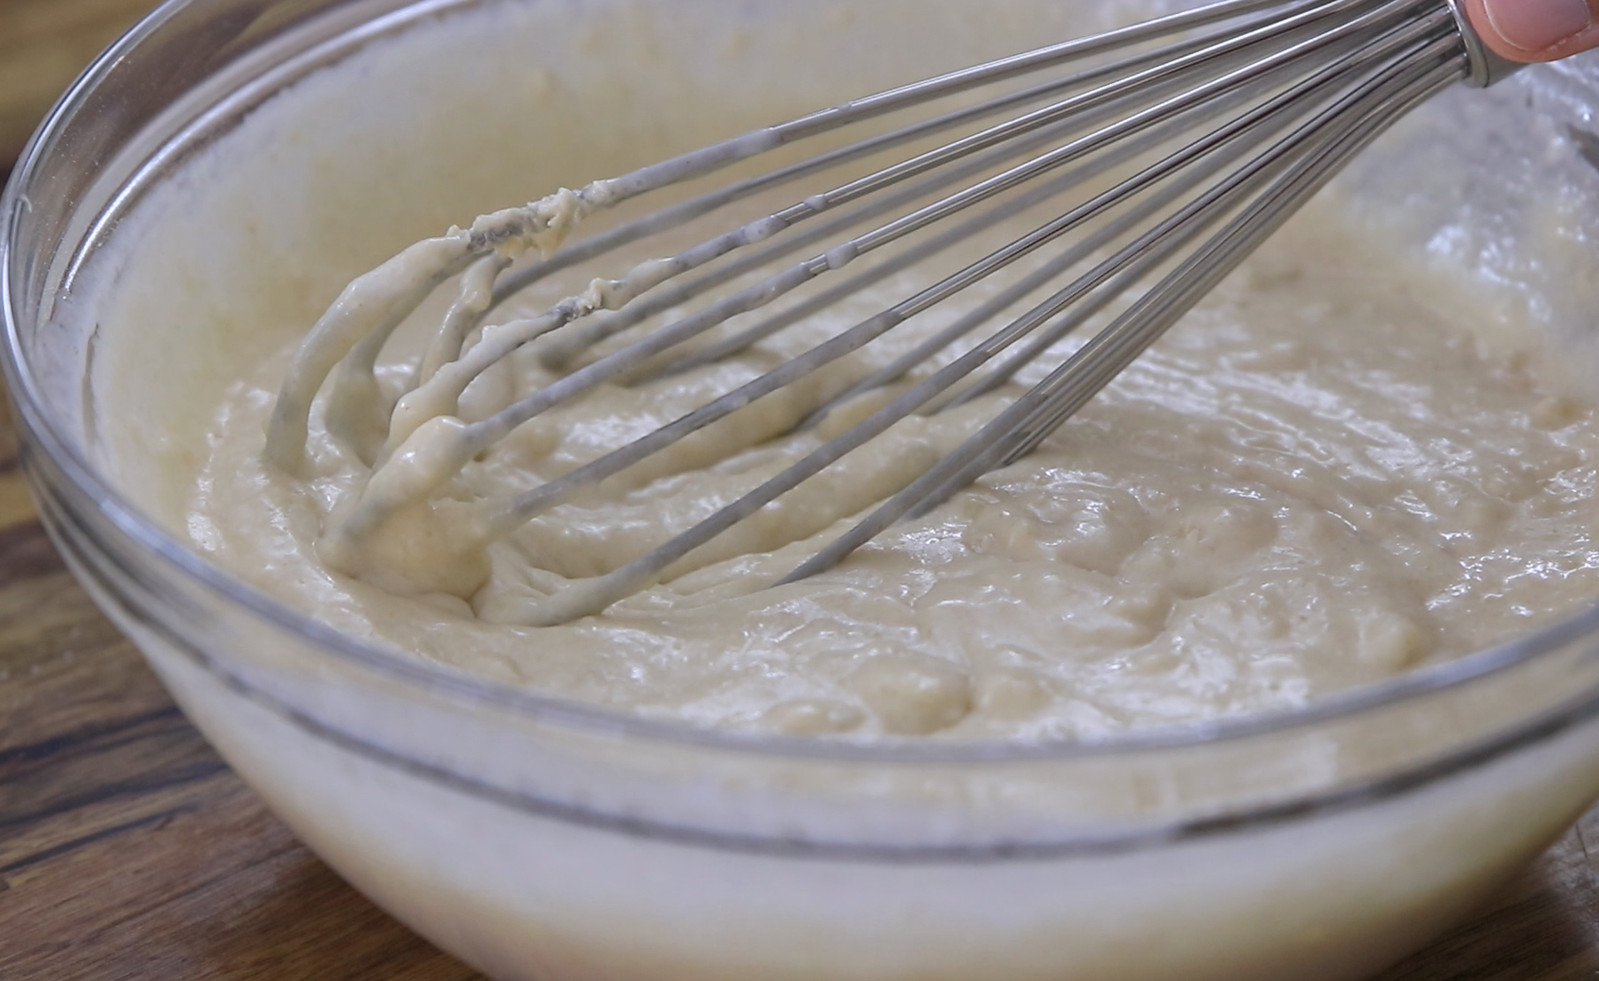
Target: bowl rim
[{"x": 84, "y": 480}]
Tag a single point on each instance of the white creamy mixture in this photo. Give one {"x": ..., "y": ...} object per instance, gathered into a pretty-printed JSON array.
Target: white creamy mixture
[
  {"x": 1323, "y": 477},
  {"x": 1318, "y": 480}
]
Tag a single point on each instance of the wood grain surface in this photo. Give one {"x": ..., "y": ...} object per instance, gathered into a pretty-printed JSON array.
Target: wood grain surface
[{"x": 129, "y": 850}]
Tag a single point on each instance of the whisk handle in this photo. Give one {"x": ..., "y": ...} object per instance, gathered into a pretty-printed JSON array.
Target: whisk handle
[{"x": 1487, "y": 65}]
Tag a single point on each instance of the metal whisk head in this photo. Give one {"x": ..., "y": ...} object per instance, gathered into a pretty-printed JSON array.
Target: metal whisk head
[{"x": 1161, "y": 155}]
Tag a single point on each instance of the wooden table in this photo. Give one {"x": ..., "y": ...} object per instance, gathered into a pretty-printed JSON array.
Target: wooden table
[{"x": 128, "y": 849}]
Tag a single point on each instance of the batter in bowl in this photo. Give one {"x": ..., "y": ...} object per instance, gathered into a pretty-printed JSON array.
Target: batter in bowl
[{"x": 1317, "y": 481}]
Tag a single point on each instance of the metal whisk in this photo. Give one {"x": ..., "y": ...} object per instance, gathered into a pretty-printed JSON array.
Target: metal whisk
[{"x": 1166, "y": 152}]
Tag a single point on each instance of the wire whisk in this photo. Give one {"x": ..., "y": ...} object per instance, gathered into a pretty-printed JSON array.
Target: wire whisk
[{"x": 1160, "y": 155}]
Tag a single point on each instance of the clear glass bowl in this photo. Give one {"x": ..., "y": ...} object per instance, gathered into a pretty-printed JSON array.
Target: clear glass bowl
[{"x": 536, "y": 837}]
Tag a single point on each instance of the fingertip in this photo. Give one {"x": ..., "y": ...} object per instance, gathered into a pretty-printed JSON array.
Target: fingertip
[{"x": 1536, "y": 30}]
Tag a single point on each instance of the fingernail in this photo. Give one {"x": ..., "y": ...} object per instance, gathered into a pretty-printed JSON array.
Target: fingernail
[{"x": 1535, "y": 25}]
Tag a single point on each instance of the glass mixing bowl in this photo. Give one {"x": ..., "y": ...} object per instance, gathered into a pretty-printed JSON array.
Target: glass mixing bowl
[{"x": 540, "y": 838}]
